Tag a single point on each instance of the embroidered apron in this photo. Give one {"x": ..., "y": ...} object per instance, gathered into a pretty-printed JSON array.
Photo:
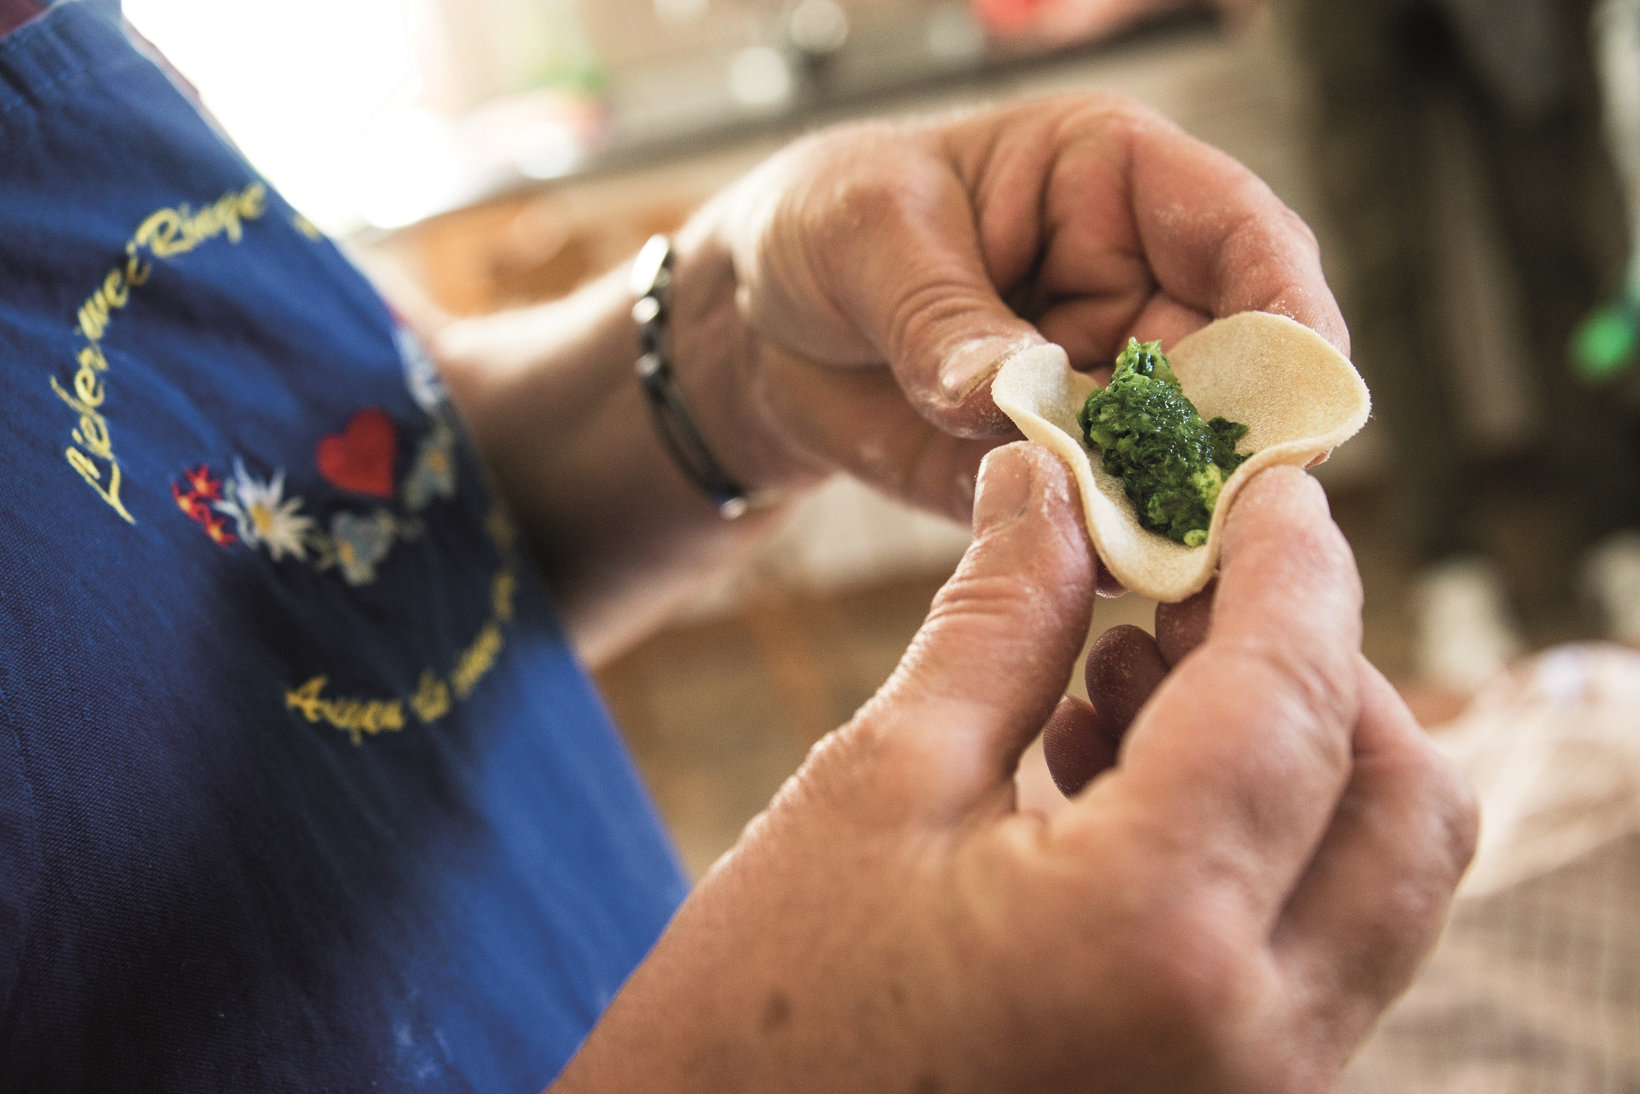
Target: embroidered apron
[{"x": 300, "y": 785}]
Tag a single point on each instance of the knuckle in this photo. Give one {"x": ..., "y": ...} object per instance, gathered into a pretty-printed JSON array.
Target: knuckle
[
  {"x": 1438, "y": 825},
  {"x": 858, "y": 745},
  {"x": 1322, "y": 538},
  {"x": 984, "y": 596},
  {"x": 1301, "y": 229},
  {"x": 1313, "y": 696},
  {"x": 1455, "y": 815},
  {"x": 925, "y": 310},
  {"x": 1188, "y": 972},
  {"x": 1124, "y": 118},
  {"x": 1265, "y": 252},
  {"x": 1389, "y": 942},
  {"x": 888, "y": 190},
  {"x": 856, "y": 777}
]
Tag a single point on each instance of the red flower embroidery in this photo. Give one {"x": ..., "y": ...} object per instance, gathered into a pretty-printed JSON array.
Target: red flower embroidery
[
  {"x": 202, "y": 484},
  {"x": 203, "y": 488}
]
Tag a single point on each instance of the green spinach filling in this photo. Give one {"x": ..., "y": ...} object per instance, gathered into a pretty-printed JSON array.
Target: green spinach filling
[{"x": 1172, "y": 463}]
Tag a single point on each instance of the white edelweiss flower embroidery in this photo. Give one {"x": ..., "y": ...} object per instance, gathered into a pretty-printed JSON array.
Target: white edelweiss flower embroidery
[
  {"x": 265, "y": 517},
  {"x": 361, "y": 542}
]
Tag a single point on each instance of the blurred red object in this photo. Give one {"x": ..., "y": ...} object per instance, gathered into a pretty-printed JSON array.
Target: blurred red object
[
  {"x": 1058, "y": 23},
  {"x": 1004, "y": 17},
  {"x": 14, "y": 13}
]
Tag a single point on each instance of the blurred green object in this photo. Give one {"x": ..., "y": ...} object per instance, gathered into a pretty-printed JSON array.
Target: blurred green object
[{"x": 1604, "y": 344}]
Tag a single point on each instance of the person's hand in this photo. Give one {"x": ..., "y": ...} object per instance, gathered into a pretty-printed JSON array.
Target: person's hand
[
  {"x": 843, "y": 308},
  {"x": 934, "y": 248},
  {"x": 1249, "y": 880}
]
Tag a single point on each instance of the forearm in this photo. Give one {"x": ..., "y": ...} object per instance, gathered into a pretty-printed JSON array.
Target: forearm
[{"x": 558, "y": 413}]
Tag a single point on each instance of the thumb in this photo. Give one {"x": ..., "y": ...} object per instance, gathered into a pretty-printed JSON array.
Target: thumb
[
  {"x": 859, "y": 246},
  {"x": 920, "y": 283},
  {"x": 998, "y": 647}
]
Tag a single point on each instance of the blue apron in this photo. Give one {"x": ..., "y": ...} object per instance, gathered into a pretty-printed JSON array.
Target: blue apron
[{"x": 300, "y": 785}]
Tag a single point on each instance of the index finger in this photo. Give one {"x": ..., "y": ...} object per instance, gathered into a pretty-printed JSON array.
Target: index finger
[
  {"x": 1231, "y": 774},
  {"x": 1219, "y": 239},
  {"x": 1178, "y": 233}
]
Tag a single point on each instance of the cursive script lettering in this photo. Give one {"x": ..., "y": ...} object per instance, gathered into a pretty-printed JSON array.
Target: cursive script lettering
[{"x": 166, "y": 233}]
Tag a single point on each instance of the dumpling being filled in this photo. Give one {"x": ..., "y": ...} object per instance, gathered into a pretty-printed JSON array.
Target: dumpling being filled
[{"x": 1298, "y": 397}]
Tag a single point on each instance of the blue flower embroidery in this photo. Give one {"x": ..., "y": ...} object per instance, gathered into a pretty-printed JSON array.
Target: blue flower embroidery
[{"x": 361, "y": 542}]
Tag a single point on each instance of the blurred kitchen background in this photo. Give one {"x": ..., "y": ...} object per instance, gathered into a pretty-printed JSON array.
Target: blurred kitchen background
[{"x": 492, "y": 153}]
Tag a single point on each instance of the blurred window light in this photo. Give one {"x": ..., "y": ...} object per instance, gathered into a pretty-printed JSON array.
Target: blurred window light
[
  {"x": 319, "y": 94},
  {"x": 761, "y": 79},
  {"x": 818, "y": 26},
  {"x": 953, "y": 34},
  {"x": 680, "y": 12}
]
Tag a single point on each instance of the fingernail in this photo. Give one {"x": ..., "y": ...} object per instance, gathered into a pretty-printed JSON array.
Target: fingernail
[
  {"x": 975, "y": 361},
  {"x": 1004, "y": 488}
]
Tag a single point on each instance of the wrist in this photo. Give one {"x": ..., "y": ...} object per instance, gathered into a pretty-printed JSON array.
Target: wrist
[{"x": 716, "y": 360}]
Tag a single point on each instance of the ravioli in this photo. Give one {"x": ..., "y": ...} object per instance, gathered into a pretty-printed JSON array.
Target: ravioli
[{"x": 1298, "y": 396}]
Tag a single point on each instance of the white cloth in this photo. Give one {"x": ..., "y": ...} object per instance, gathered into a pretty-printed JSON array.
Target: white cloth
[{"x": 1536, "y": 984}]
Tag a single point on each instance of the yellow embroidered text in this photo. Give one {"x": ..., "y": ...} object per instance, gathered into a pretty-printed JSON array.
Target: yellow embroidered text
[
  {"x": 434, "y": 696},
  {"x": 163, "y": 234},
  {"x": 305, "y": 226},
  {"x": 355, "y": 717},
  {"x": 171, "y": 232},
  {"x": 431, "y": 700}
]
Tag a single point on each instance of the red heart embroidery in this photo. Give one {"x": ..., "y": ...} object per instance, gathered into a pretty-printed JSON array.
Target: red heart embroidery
[{"x": 360, "y": 457}]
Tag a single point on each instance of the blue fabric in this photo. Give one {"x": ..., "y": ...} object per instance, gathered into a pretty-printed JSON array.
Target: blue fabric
[{"x": 300, "y": 786}]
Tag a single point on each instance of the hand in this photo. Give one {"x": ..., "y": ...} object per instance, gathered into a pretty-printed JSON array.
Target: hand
[
  {"x": 844, "y": 308},
  {"x": 1251, "y": 878},
  {"x": 935, "y": 248}
]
